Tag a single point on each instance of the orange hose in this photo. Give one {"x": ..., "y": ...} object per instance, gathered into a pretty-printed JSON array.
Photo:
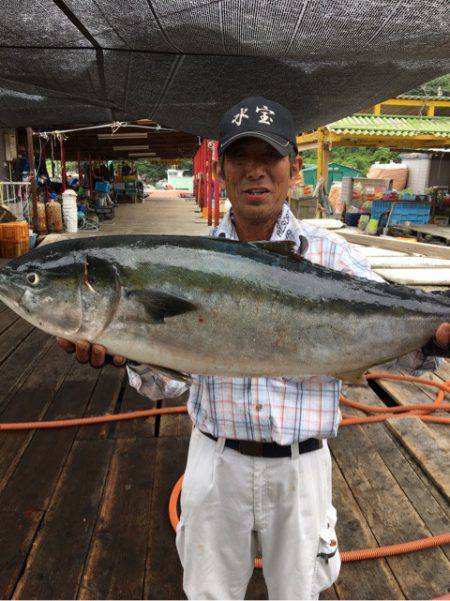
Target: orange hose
[
  {"x": 354, "y": 555},
  {"x": 421, "y": 411}
]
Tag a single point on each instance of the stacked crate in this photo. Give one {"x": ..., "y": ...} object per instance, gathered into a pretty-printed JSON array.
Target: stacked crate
[{"x": 14, "y": 239}]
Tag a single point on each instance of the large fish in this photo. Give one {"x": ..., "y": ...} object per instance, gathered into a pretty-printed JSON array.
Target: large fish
[{"x": 214, "y": 306}]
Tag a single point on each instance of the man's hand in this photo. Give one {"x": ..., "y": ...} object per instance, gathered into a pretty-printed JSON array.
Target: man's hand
[
  {"x": 94, "y": 354},
  {"x": 442, "y": 335}
]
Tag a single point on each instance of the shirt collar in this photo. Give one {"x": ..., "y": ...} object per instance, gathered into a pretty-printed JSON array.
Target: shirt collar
[{"x": 287, "y": 227}]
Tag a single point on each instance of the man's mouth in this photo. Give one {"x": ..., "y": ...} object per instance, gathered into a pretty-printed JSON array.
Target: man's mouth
[{"x": 256, "y": 193}]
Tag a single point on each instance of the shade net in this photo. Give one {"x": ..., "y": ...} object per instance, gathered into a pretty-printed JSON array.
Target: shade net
[{"x": 182, "y": 63}]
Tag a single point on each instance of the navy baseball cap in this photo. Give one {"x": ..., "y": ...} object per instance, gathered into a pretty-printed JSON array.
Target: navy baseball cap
[{"x": 257, "y": 117}]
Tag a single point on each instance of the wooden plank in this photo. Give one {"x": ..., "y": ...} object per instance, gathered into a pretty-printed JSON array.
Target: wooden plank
[
  {"x": 417, "y": 277},
  {"x": 428, "y": 503},
  {"x": 16, "y": 367},
  {"x": 438, "y": 231},
  {"x": 17, "y": 530},
  {"x": 115, "y": 567},
  {"x": 430, "y": 452},
  {"x": 164, "y": 576},
  {"x": 29, "y": 403},
  {"x": 359, "y": 579},
  {"x": 374, "y": 251},
  {"x": 31, "y": 485},
  {"x": 408, "y": 393},
  {"x": 55, "y": 564},
  {"x": 135, "y": 428},
  {"x": 389, "y": 514},
  {"x": 388, "y": 242},
  {"x": 407, "y": 263},
  {"x": 12, "y": 337},
  {"x": 104, "y": 401},
  {"x": 175, "y": 425},
  {"x": 7, "y": 318}
]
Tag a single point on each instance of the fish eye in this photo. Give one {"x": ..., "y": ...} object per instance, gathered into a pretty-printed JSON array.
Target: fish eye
[{"x": 33, "y": 279}]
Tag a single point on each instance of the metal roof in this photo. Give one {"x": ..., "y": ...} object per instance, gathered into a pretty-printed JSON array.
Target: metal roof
[{"x": 392, "y": 125}]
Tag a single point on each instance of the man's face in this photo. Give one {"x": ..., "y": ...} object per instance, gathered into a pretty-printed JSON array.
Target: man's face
[{"x": 257, "y": 179}]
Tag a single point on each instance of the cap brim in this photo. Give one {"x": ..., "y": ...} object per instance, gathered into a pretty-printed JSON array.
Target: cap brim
[{"x": 280, "y": 144}]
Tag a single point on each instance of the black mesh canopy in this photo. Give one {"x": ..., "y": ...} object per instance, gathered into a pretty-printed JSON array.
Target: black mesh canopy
[{"x": 183, "y": 62}]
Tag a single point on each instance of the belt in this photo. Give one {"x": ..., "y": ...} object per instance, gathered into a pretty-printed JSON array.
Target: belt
[{"x": 268, "y": 449}]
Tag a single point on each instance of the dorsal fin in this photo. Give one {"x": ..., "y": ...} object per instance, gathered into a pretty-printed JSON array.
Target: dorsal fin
[{"x": 287, "y": 248}]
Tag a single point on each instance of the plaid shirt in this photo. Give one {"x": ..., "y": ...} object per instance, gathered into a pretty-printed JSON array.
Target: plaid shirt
[{"x": 283, "y": 410}]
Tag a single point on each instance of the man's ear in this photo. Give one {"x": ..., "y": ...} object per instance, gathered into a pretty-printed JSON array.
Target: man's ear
[
  {"x": 295, "y": 169},
  {"x": 217, "y": 173}
]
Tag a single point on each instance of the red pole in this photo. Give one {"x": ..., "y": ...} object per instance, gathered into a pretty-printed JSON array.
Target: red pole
[
  {"x": 195, "y": 186},
  {"x": 205, "y": 181},
  {"x": 210, "y": 183},
  {"x": 63, "y": 167},
  {"x": 216, "y": 187}
]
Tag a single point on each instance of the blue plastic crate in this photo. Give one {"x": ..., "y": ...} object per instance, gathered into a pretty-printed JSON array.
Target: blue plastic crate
[
  {"x": 402, "y": 211},
  {"x": 102, "y": 186}
]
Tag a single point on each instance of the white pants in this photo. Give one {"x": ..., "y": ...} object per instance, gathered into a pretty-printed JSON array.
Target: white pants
[{"x": 233, "y": 505}]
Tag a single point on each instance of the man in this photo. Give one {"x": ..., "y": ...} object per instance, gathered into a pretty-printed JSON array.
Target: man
[{"x": 258, "y": 474}]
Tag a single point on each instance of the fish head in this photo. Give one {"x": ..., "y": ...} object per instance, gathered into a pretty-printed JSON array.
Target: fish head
[{"x": 43, "y": 287}]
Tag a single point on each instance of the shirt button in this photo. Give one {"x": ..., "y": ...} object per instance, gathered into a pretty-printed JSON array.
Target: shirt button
[{"x": 258, "y": 407}]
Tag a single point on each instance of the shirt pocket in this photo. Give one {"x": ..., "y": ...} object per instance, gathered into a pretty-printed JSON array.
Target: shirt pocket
[{"x": 328, "y": 560}]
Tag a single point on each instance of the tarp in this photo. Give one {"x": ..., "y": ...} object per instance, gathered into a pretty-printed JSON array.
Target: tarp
[{"x": 183, "y": 62}]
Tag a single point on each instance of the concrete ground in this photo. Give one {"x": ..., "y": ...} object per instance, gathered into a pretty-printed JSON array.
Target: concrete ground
[{"x": 165, "y": 214}]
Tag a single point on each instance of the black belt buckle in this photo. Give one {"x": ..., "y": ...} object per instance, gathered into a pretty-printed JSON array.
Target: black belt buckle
[{"x": 251, "y": 447}]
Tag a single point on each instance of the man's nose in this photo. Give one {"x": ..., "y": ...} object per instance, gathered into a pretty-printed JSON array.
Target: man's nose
[{"x": 254, "y": 169}]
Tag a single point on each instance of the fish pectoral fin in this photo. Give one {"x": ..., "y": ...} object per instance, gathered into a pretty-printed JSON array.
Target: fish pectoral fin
[
  {"x": 159, "y": 305},
  {"x": 286, "y": 248},
  {"x": 173, "y": 374},
  {"x": 353, "y": 377}
]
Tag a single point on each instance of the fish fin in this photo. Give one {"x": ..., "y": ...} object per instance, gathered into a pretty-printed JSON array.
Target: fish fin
[
  {"x": 173, "y": 374},
  {"x": 353, "y": 377},
  {"x": 159, "y": 305},
  {"x": 283, "y": 247}
]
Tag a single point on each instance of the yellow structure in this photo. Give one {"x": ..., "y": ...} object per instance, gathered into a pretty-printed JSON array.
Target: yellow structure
[{"x": 404, "y": 131}]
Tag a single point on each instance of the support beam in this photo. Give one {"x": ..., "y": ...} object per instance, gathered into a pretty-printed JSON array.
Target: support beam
[
  {"x": 63, "y": 166},
  {"x": 216, "y": 187},
  {"x": 209, "y": 198},
  {"x": 34, "y": 191}
]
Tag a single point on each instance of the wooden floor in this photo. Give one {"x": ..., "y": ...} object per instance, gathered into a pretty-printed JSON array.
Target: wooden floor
[{"x": 83, "y": 511}]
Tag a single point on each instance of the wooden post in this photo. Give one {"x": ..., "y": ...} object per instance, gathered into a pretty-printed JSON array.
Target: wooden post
[
  {"x": 204, "y": 182},
  {"x": 326, "y": 159},
  {"x": 377, "y": 109},
  {"x": 91, "y": 181},
  {"x": 216, "y": 187},
  {"x": 63, "y": 166},
  {"x": 34, "y": 191},
  {"x": 430, "y": 110},
  {"x": 319, "y": 154},
  {"x": 209, "y": 176},
  {"x": 79, "y": 169}
]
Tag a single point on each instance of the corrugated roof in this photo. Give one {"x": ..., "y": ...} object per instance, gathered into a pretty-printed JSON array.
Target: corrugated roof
[
  {"x": 424, "y": 98},
  {"x": 392, "y": 125}
]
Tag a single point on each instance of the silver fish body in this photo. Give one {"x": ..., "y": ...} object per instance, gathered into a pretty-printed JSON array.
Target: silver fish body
[{"x": 217, "y": 307}]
